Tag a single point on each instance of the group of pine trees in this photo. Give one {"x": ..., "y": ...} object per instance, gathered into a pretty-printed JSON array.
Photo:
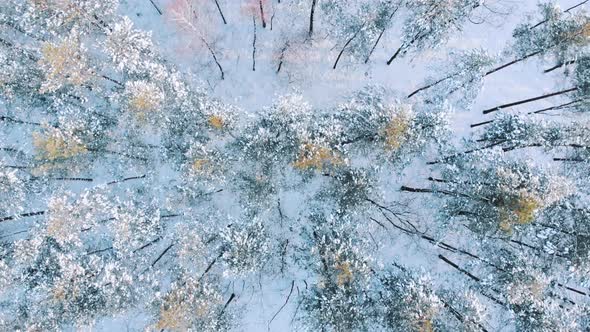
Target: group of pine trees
[{"x": 126, "y": 189}]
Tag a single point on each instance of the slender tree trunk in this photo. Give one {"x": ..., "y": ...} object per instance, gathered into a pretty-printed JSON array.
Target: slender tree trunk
[
  {"x": 346, "y": 45},
  {"x": 431, "y": 85},
  {"x": 576, "y": 160},
  {"x": 565, "y": 11},
  {"x": 22, "y": 215},
  {"x": 526, "y": 245},
  {"x": 231, "y": 298},
  {"x": 282, "y": 57},
  {"x": 284, "y": 304},
  {"x": 395, "y": 55},
  {"x": 156, "y": 7},
  {"x": 556, "y": 107},
  {"x": 214, "y": 57},
  {"x": 506, "y": 65},
  {"x": 122, "y": 154},
  {"x": 559, "y": 65},
  {"x": 262, "y": 18},
  {"x": 72, "y": 179},
  {"x": 466, "y": 152},
  {"x": 576, "y": 6},
  {"x": 380, "y": 35},
  {"x": 481, "y": 123},
  {"x": 220, "y": 11},
  {"x": 11, "y": 119},
  {"x": 529, "y": 100},
  {"x": 162, "y": 254},
  {"x": 311, "y": 17},
  {"x": 126, "y": 179},
  {"x": 458, "y": 315},
  {"x": 113, "y": 80},
  {"x": 15, "y": 167},
  {"x": 254, "y": 45},
  {"x": 572, "y": 289},
  {"x": 416, "y": 190},
  {"x": 458, "y": 268}
]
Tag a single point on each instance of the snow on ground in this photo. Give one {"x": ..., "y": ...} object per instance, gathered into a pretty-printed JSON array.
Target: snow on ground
[{"x": 323, "y": 87}]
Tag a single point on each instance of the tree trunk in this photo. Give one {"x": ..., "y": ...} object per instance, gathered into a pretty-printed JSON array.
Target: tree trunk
[
  {"x": 220, "y": 12},
  {"x": 556, "y": 107},
  {"x": 559, "y": 65},
  {"x": 10, "y": 119},
  {"x": 380, "y": 35},
  {"x": 512, "y": 63},
  {"x": 311, "y": 17},
  {"x": 214, "y": 57},
  {"x": 458, "y": 268},
  {"x": 431, "y": 85},
  {"x": 282, "y": 56},
  {"x": 529, "y": 100},
  {"x": 156, "y": 7},
  {"x": 262, "y": 15},
  {"x": 254, "y": 45},
  {"x": 346, "y": 45},
  {"x": 466, "y": 152},
  {"x": 22, "y": 215},
  {"x": 481, "y": 123},
  {"x": 395, "y": 55}
]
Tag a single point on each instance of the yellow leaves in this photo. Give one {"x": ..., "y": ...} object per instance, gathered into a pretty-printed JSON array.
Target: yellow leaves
[
  {"x": 143, "y": 97},
  {"x": 526, "y": 208},
  {"x": 344, "y": 275},
  {"x": 173, "y": 313},
  {"x": 143, "y": 100},
  {"x": 426, "y": 326},
  {"x": 58, "y": 4},
  {"x": 200, "y": 165},
  {"x": 63, "y": 63},
  {"x": 505, "y": 224},
  {"x": 312, "y": 156},
  {"x": 57, "y": 228},
  {"x": 521, "y": 211},
  {"x": 186, "y": 307},
  {"x": 395, "y": 132},
  {"x": 55, "y": 146},
  {"x": 59, "y": 293},
  {"x": 584, "y": 32},
  {"x": 172, "y": 317},
  {"x": 216, "y": 122}
]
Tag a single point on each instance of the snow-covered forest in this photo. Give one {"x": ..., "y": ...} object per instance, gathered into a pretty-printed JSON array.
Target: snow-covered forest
[{"x": 294, "y": 165}]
